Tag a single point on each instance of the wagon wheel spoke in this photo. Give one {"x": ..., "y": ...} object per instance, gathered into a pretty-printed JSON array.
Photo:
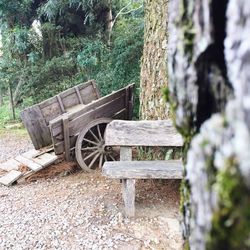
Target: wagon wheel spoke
[
  {"x": 89, "y": 141},
  {"x": 89, "y": 148},
  {"x": 94, "y": 160},
  {"x": 100, "y": 160},
  {"x": 111, "y": 157},
  {"x": 95, "y": 137},
  {"x": 99, "y": 132},
  {"x": 90, "y": 155}
]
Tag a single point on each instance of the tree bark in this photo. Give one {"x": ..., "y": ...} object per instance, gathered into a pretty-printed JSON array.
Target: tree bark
[
  {"x": 208, "y": 70},
  {"x": 1, "y": 97},
  {"x": 12, "y": 108},
  {"x": 153, "y": 66}
]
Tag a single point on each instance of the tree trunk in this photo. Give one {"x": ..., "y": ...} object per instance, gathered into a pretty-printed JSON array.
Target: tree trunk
[
  {"x": 12, "y": 108},
  {"x": 1, "y": 97},
  {"x": 208, "y": 70},
  {"x": 153, "y": 67}
]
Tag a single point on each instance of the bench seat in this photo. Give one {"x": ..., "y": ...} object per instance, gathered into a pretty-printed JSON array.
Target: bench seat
[
  {"x": 172, "y": 169},
  {"x": 128, "y": 134}
]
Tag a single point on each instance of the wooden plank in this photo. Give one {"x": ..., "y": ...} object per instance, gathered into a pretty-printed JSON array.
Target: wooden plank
[
  {"x": 128, "y": 186},
  {"x": 29, "y": 163},
  {"x": 45, "y": 159},
  {"x": 125, "y": 154},
  {"x": 78, "y": 95},
  {"x": 9, "y": 165},
  {"x": 93, "y": 105},
  {"x": 31, "y": 153},
  {"x": 128, "y": 194},
  {"x": 97, "y": 92},
  {"x": 107, "y": 110},
  {"x": 142, "y": 133},
  {"x": 36, "y": 126},
  {"x": 172, "y": 169},
  {"x": 51, "y": 111},
  {"x": 59, "y": 99},
  {"x": 89, "y": 94},
  {"x": 66, "y": 138},
  {"x": 10, "y": 177}
]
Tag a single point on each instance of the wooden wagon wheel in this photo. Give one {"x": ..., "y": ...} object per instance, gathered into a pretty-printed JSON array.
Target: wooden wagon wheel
[{"x": 90, "y": 147}]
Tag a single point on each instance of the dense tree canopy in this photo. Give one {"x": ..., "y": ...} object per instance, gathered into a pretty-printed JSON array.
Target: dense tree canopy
[{"x": 48, "y": 46}]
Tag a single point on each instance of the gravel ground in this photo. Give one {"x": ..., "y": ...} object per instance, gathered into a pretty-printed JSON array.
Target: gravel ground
[
  {"x": 85, "y": 211},
  {"x": 13, "y": 143}
]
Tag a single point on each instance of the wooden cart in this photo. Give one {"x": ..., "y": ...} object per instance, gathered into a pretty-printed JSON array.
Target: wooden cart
[{"x": 74, "y": 122}]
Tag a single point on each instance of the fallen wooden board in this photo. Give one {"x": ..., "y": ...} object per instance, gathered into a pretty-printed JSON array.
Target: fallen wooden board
[
  {"x": 10, "y": 165},
  {"x": 31, "y": 153},
  {"x": 10, "y": 177},
  {"x": 29, "y": 163},
  {"x": 45, "y": 159}
]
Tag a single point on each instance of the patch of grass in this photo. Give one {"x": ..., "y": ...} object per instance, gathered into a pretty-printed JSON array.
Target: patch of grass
[{"x": 6, "y": 116}]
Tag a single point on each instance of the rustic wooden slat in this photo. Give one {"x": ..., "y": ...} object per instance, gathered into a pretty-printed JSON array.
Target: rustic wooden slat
[
  {"x": 31, "y": 153},
  {"x": 36, "y": 126},
  {"x": 89, "y": 94},
  {"x": 172, "y": 169},
  {"x": 128, "y": 186},
  {"x": 107, "y": 110},
  {"x": 66, "y": 138},
  {"x": 45, "y": 159},
  {"x": 128, "y": 194},
  {"x": 93, "y": 105},
  {"x": 10, "y": 177},
  {"x": 59, "y": 99},
  {"x": 142, "y": 133},
  {"x": 97, "y": 92},
  {"x": 29, "y": 163},
  {"x": 10, "y": 165},
  {"x": 82, "y": 86},
  {"x": 78, "y": 95}
]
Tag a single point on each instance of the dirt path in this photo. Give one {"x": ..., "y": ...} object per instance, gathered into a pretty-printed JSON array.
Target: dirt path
[{"x": 85, "y": 211}]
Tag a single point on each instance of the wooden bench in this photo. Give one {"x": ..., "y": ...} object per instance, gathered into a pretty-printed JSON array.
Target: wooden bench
[{"x": 127, "y": 134}]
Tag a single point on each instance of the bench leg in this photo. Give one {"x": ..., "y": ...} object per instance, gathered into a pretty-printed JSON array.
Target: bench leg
[{"x": 128, "y": 192}]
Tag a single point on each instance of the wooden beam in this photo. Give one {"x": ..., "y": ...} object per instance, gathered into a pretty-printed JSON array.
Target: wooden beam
[
  {"x": 142, "y": 133},
  {"x": 172, "y": 169},
  {"x": 66, "y": 138},
  {"x": 128, "y": 186}
]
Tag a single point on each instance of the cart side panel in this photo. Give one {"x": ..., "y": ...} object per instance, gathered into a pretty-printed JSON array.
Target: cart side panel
[
  {"x": 36, "y": 118},
  {"x": 114, "y": 106},
  {"x": 36, "y": 126}
]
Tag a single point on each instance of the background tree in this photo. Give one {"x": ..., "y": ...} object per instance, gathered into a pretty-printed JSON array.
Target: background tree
[
  {"x": 209, "y": 90},
  {"x": 153, "y": 67},
  {"x": 51, "y": 45}
]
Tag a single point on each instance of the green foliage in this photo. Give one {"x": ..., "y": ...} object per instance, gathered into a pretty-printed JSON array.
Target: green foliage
[
  {"x": 5, "y": 116},
  {"x": 70, "y": 48},
  {"x": 231, "y": 221}
]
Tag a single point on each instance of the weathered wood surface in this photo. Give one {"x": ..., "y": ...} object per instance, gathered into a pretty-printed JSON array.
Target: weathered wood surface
[
  {"x": 172, "y": 169},
  {"x": 45, "y": 159},
  {"x": 36, "y": 126},
  {"x": 35, "y": 160},
  {"x": 128, "y": 185},
  {"x": 36, "y": 118},
  {"x": 110, "y": 106},
  {"x": 10, "y": 177},
  {"x": 29, "y": 163},
  {"x": 142, "y": 133}
]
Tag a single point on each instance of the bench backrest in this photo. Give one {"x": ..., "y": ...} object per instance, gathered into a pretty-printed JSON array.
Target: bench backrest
[{"x": 142, "y": 133}]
